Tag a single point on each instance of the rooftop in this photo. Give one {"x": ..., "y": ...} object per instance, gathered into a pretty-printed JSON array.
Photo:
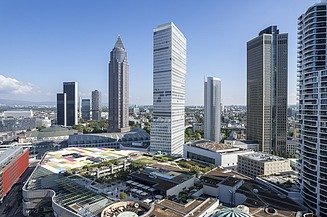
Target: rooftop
[
  {"x": 168, "y": 208},
  {"x": 70, "y": 158},
  {"x": 213, "y": 146},
  {"x": 230, "y": 181},
  {"x": 8, "y": 153},
  {"x": 258, "y": 156},
  {"x": 257, "y": 196},
  {"x": 53, "y": 131},
  {"x": 161, "y": 179}
]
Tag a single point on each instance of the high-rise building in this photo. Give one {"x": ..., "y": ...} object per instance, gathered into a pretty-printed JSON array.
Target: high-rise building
[
  {"x": 312, "y": 95},
  {"x": 86, "y": 109},
  {"x": 67, "y": 105},
  {"x": 61, "y": 109},
  {"x": 212, "y": 109},
  {"x": 96, "y": 105},
  {"x": 169, "y": 71},
  {"x": 118, "y": 89},
  {"x": 267, "y": 71},
  {"x": 71, "y": 90}
]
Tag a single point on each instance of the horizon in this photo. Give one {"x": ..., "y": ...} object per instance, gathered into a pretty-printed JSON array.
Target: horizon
[{"x": 43, "y": 50}]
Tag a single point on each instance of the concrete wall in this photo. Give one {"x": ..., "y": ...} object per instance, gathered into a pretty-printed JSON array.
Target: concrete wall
[
  {"x": 175, "y": 190},
  {"x": 209, "y": 190}
]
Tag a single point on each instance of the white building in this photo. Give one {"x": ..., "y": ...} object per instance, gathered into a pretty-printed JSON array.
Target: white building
[
  {"x": 212, "y": 109},
  {"x": 213, "y": 153},
  {"x": 169, "y": 70},
  {"x": 312, "y": 77},
  {"x": 18, "y": 114},
  {"x": 43, "y": 122},
  {"x": 243, "y": 144}
]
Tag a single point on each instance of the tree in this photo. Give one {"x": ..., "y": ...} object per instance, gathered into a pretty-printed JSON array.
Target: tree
[{"x": 122, "y": 195}]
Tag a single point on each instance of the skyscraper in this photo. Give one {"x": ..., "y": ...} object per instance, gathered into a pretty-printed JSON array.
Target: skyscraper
[
  {"x": 267, "y": 90},
  {"x": 61, "y": 109},
  {"x": 96, "y": 105},
  {"x": 118, "y": 89},
  {"x": 71, "y": 91},
  {"x": 212, "y": 109},
  {"x": 86, "y": 109},
  {"x": 67, "y": 105},
  {"x": 169, "y": 70},
  {"x": 312, "y": 95}
]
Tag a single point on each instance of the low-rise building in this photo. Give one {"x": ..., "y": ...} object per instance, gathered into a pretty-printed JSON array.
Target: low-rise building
[
  {"x": 258, "y": 164},
  {"x": 53, "y": 133},
  {"x": 292, "y": 145},
  {"x": 236, "y": 190},
  {"x": 137, "y": 139},
  {"x": 17, "y": 124},
  {"x": 13, "y": 163},
  {"x": 243, "y": 144},
  {"x": 49, "y": 188},
  {"x": 218, "y": 154},
  {"x": 162, "y": 181},
  {"x": 18, "y": 114}
]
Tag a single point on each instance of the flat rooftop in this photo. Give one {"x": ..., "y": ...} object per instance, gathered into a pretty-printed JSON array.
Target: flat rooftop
[
  {"x": 161, "y": 179},
  {"x": 168, "y": 208},
  {"x": 7, "y": 153},
  {"x": 71, "y": 158},
  {"x": 262, "y": 157},
  {"x": 257, "y": 196},
  {"x": 216, "y": 176},
  {"x": 230, "y": 181},
  {"x": 212, "y": 146}
]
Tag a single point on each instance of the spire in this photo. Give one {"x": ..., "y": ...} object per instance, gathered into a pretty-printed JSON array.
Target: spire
[{"x": 119, "y": 43}]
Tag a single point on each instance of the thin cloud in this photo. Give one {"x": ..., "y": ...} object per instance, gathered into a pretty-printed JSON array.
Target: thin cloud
[{"x": 13, "y": 86}]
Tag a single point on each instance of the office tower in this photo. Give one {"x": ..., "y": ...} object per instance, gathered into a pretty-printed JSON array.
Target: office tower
[
  {"x": 67, "y": 105},
  {"x": 61, "y": 109},
  {"x": 96, "y": 105},
  {"x": 212, "y": 109},
  {"x": 118, "y": 89},
  {"x": 267, "y": 90},
  {"x": 86, "y": 109},
  {"x": 169, "y": 70},
  {"x": 71, "y": 90},
  {"x": 312, "y": 95}
]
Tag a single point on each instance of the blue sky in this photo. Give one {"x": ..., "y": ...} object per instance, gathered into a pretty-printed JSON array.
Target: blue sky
[{"x": 43, "y": 43}]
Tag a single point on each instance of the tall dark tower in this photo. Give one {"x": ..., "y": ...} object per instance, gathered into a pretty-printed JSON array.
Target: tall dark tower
[
  {"x": 118, "y": 89},
  {"x": 267, "y": 90}
]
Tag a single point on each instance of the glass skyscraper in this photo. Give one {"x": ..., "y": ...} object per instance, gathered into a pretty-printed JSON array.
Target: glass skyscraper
[
  {"x": 267, "y": 57},
  {"x": 118, "y": 89}
]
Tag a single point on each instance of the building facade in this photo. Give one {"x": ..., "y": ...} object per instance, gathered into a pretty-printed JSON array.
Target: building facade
[
  {"x": 61, "y": 109},
  {"x": 71, "y": 90},
  {"x": 212, "y": 109},
  {"x": 86, "y": 109},
  {"x": 169, "y": 71},
  {"x": 118, "y": 89},
  {"x": 67, "y": 105},
  {"x": 258, "y": 164},
  {"x": 13, "y": 163},
  {"x": 312, "y": 95},
  {"x": 96, "y": 105},
  {"x": 267, "y": 57},
  {"x": 220, "y": 155}
]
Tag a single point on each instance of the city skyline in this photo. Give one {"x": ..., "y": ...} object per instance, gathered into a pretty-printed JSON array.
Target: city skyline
[{"x": 49, "y": 49}]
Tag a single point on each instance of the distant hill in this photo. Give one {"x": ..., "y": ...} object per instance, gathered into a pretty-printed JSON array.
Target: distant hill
[{"x": 10, "y": 102}]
